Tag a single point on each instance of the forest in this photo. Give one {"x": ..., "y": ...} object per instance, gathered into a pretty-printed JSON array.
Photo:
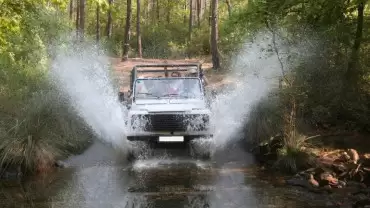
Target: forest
[{"x": 326, "y": 93}]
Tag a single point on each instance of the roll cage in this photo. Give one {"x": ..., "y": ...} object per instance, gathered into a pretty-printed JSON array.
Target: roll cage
[
  {"x": 166, "y": 71},
  {"x": 159, "y": 70}
]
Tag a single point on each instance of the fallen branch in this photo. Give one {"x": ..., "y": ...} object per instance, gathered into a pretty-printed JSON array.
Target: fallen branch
[{"x": 355, "y": 170}]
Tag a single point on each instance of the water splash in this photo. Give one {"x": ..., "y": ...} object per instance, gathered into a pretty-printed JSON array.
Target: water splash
[
  {"x": 255, "y": 71},
  {"x": 82, "y": 73},
  {"x": 169, "y": 163}
]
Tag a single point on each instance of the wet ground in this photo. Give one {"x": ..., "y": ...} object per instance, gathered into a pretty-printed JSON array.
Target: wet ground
[{"x": 102, "y": 178}]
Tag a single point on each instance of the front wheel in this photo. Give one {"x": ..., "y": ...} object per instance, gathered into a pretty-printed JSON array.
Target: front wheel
[
  {"x": 131, "y": 156},
  {"x": 138, "y": 150},
  {"x": 201, "y": 148}
]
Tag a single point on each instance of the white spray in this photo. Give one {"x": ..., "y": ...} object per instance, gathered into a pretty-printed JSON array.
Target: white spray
[
  {"x": 81, "y": 72},
  {"x": 83, "y": 75},
  {"x": 255, "y": 70}
]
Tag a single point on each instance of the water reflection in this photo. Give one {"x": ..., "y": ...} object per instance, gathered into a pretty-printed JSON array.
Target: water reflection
[
  {"x": 33, "y": 191},
  {"x": 171, "y": 183},
  {"x": 95, "y": 186}
]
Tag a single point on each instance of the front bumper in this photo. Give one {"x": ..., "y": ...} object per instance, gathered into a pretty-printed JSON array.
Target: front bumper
[
  {"x": 155, "y": 137},
  {"x": 151, "y": 126},
  {"x": 168, "y": 133}
]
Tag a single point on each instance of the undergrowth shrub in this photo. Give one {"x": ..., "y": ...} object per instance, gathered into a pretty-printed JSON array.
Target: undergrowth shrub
[
  {"x": 293, "y": 159},
  {"x": 36, "y": 125},
  {"x": 264, "y": 130},
  {"x": 162, "y": 41},
  {"x": 43, "y": 130},
  {"x": 264, "y": 120},
  {"x": 315, "y": 93},
  {"x": 200, "y": 42}
]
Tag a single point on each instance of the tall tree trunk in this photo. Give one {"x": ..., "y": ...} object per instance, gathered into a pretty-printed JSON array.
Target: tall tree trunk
[
  {"x": 203, "y": 8},
  {"x": 214, "y": 36},
  {"x": 78, "y": 18},
  {"x": 71, "y": 10},
  {"x": 190, "y": 18},
  {"x": 109, "y": 19},
  {"x": 210, "y": 13},
  {"x": 185, "y": 2},
  {"x": 152, "y": 11},
  {"x": 352, "y": 70},
  {"x": 229, "y": 7},
  {"x": 97, "y": 22},
  {"x": 138, "y": 33},
  {"x": 168, "y": 18},
  {"x": 127, "y": 32},
  {"x": 198, "y": 11},
  {"x": 157, "y": 11},
  {"x": 147, "y": 10},
  {"x": 82, "y": 19}
]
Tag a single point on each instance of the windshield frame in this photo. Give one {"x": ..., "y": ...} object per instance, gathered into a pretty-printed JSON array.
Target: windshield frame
[{"x": 201, "y": 88}]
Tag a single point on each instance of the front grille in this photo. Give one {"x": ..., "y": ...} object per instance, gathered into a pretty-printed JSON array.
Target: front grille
[{"x": 170, "y": 122}]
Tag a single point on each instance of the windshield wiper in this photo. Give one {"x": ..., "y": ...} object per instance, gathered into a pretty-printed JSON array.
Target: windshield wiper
[
  {"x": 175, "y": 94},
  {"x": 147, "y": 93},
  {"x": 170, "y": 94}
]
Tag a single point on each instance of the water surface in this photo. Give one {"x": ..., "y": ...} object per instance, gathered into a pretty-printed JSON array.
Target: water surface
[{"x": 102, "y": 178}]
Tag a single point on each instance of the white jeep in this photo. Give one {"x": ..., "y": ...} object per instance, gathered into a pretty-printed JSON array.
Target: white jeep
[{"x": 168, "y": 108}]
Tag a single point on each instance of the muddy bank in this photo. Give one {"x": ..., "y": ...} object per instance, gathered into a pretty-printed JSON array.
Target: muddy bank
[
  {"x": 341, "y": 174},
  {"x": 17, "y": 172}
]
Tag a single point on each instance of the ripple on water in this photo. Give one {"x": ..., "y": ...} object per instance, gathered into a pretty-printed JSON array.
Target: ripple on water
[{"x": 169, "y": 163}]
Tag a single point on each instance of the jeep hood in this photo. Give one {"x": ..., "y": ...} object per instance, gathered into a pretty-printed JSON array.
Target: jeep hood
[{"x": 169, "y": 105}]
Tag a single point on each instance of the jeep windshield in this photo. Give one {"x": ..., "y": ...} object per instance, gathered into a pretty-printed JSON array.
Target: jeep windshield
[{"x": 157, "y": 88}]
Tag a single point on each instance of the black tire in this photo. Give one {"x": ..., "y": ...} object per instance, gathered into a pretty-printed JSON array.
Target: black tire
[
  {"x": 131, "y": 156},
  {"x": 198, "y": 152},
  {"x": 205, "y": 154},
  {"x": 138, "y": 150}
]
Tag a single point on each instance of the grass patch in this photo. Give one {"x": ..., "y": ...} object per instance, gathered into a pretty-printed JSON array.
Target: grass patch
[
  {"x": 37, "y": 126},
  {"x": 265, "y": 131},
  {"x": 264, "y": 120},
  {"x": 294, "y": 157},
  {"x": 42, "y": 131}
]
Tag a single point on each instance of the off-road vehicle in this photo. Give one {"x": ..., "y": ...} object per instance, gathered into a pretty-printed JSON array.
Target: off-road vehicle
[{"x": 167, "y": 103}]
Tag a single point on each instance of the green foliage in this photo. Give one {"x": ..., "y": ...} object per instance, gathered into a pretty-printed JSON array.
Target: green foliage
[
  {"x": 199, "y": 44},
  {"x": 317, "y": 90},
  {"x": 164, "y": 28},
  {"x": 42, "y": 130},
  {"x": 264, "y": 120},
  {"x": 242, "y": 24},
  {"x": 36, "y": 127},
  {"x": 23, "y": 52},
  {"x": 318, "y": 82},
  {"x": 158, "y": 40},
  {"x": 293, "y": 159}
]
